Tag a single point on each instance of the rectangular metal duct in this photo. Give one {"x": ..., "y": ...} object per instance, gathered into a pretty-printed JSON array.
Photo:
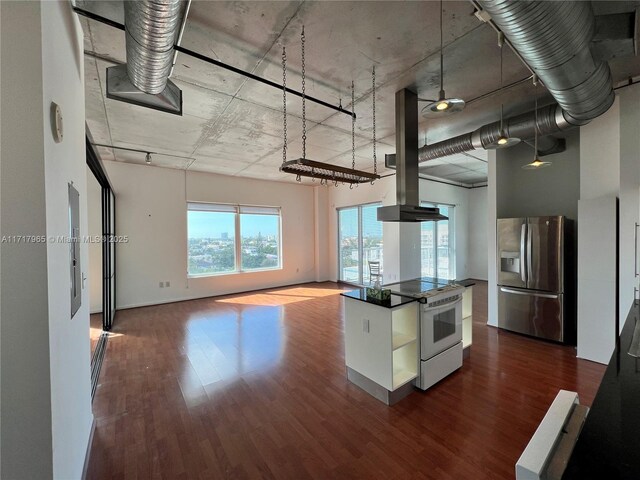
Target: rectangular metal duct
[
  {"x": 408, "y": 207},
  {"x": 119, "y": 87},
  {"x": 151, "y": 28}
]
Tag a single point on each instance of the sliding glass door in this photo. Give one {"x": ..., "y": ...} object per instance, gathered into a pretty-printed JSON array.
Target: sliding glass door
[
  {"x": 359, "y": 243},
  {"x": 437, "y": 245}
]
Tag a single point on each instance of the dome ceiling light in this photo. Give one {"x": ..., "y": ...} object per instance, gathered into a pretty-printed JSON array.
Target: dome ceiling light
[
  {"x": 536, "y": 163},
  {"x": 442, "y": 106},
  {"x": 503, "y": 140}
]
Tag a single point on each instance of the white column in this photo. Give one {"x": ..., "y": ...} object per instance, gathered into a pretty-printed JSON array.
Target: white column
[
  {"x": 599, "y": 185},
  {"x": 492, "y": 215}
]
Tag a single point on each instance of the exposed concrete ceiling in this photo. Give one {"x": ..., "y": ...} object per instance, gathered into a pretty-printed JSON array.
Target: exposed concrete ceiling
[{"x": 233, "y": 126}]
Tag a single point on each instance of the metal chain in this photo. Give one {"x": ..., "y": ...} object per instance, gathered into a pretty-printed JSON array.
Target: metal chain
[
  {"x": 353, "y": 127},
  {"x": 373, "y": 81},
  {"x": 501, "y": 43},
  {"x": 284, "y": 104},
  {"x": 304, "y": 107},
  {"x": 535, "y": 141}
]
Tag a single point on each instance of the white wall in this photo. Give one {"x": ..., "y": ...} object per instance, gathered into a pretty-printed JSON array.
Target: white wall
[
  {"x": 94, "y": 214},
  {"x": 596, "y": 278},
  {"x": 321, "y": 206},
  {"x": 46, "y": 394},
  {"x": 599, "y": 185},
  {"x": 477, "y": 259},
  {"x": 151, "y": 206},
  {"x": 401, "y": 240},
  {"x": 24, "y": 352},
  {"x": 63, "y": 83}
]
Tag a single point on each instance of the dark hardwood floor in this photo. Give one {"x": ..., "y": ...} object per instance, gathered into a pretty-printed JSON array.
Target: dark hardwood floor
[{"x": 253, "y": 386}]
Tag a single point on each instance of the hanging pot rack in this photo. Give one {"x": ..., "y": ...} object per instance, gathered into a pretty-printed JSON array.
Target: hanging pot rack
[{"x": 325, "y": 172}]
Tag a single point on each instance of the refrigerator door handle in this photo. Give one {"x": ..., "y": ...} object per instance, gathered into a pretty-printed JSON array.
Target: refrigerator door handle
[
  {"x": 523, "y": 267},
  {"x": 530, "y": 231},
  {"x": 635, "y": 250},
  {"x": 528, "y": 294}
]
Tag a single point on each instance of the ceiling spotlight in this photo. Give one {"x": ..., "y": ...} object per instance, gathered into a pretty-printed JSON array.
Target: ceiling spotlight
[
  {"x": 148, "y": 158},
  {"x": 443, "y": 105},
  {"x": 503, "y": 140}
]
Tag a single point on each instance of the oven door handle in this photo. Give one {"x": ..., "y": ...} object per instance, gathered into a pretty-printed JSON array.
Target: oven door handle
[{"x": 427, "y": 309}]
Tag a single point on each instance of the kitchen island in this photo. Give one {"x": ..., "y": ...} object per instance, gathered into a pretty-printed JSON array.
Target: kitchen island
[{"x": 383, "y": 338}]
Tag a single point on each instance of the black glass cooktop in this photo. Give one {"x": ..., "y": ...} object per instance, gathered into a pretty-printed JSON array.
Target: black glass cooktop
[{"x": 417, "y": 286}]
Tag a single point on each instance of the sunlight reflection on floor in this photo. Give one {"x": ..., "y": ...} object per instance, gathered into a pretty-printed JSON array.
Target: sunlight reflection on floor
[{"x": 276, "y": 298}]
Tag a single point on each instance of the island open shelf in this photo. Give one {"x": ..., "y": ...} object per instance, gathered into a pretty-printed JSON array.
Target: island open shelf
[{"x": 381, "y": 346}]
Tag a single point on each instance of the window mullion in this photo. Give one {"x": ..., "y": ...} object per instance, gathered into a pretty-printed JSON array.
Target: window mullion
[
  {"x": 360, "y": 245},
  {"x": 435, "y": 249},
  {"x": 238, "y": 243}
]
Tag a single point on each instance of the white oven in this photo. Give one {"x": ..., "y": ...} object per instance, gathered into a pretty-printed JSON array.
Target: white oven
[{"x": 440, "y": 324}]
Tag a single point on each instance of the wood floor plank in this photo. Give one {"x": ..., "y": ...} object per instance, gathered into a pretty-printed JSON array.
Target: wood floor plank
[{"x": 254, "y": 386}]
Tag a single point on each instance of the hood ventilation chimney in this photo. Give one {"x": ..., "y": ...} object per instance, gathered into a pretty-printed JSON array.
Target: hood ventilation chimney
[
  {"x": 408, "y": 207},
  {"x": 151, "y": 29}
]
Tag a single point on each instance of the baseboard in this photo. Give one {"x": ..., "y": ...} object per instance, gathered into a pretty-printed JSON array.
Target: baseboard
[
  {"x": 187, "y": 299},
  {"x": 88, "y": 452}
]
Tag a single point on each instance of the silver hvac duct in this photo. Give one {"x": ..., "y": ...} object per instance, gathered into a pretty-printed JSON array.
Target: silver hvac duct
[
  {"x": 554, "y": 38},
  {"x": 151, "y": 30},
  {"x": 550, "y": 120},
  {"x": 151, "y": 27}
]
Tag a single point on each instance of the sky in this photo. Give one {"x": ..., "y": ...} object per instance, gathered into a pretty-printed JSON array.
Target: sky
[
  {"x": 212, "y": 225},
  {"x": 371, "y": 227}
]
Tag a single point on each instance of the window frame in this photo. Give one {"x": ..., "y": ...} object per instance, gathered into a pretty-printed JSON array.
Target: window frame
[
  {"x": 452, "y": 232},
  {"x": 236, "y": 209}
]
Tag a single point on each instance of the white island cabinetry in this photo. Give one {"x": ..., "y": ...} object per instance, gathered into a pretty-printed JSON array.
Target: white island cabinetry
[{"x": 381, "y": 347}]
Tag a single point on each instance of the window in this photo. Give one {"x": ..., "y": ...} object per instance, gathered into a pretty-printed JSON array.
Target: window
[
  {"x": 437, "y": 245},
  {"x": 359, "y": 242},
  {"x": 226, "y": 239}
]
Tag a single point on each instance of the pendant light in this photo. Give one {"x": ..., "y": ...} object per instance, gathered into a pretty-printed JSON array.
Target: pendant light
[
  {"x": 503, "y": 140},
  {"x": 442, "y": 106},
  {"x": 147, "y": 158},
  {"x": 536, "y": 163}
]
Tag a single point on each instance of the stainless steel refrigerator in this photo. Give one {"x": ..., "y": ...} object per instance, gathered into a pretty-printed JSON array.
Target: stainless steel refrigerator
[{"x": 536, "y": 277}]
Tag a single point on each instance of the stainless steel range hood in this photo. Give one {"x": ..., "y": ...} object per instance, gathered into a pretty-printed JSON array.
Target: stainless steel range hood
[{"x": 408, "y": 207}]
